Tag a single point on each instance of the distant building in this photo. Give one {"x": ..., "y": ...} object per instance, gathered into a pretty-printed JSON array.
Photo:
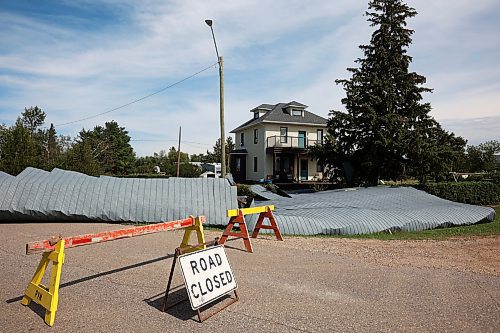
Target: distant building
[
  {"x": 214, "y": 168},
  {"x": 274, "y": 144}
]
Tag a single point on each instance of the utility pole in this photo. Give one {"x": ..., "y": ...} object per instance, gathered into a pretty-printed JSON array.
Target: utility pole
[
  {"x": 221, "y": 99},
  {"x": 179, "y": 153},
  {"x": 222, "y": 132}
]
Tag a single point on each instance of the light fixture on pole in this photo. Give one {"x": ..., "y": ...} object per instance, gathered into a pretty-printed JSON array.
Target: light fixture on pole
[{"x": 221, "y": 99}]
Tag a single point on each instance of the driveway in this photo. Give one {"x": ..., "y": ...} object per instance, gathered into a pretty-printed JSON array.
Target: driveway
[{"x": 301, "y": 284}]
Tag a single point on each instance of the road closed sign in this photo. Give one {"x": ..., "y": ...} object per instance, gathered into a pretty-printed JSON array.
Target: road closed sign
[{"x": 207, "y": 275}]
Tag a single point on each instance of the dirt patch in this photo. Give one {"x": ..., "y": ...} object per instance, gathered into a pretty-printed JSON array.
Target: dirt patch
[{"x": 472, "y": 254}]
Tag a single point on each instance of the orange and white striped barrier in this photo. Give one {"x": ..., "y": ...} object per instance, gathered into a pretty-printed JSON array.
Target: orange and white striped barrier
[{"x": 53, "y": 251}]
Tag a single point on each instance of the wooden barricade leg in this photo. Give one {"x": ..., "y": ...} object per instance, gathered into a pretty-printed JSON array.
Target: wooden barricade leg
[
  {"x": 243, "y": 233},
  {"x": 198, "y": 228},
  {"x": 260, "y": 224},
  {"x": 48, "y": 298}
]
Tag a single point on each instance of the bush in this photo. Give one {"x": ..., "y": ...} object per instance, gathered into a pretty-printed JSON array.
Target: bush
[
  {"x": 475, "y": 193},
  {"x": 142, "y": 175},
  {"x": 244, "y": 190}
]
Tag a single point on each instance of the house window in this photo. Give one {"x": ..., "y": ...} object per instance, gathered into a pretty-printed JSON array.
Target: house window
[
  {"x": 319, "y": 167},
  {"x": 320, "y": 136},
  {"x": 238, "y": 164},
  {"x": 242, "y": 139},
  {"x": 255, "y": 164},
  {"x": 296, "y": 112},
  {"x": 256, "y": 115},
  {"x": 256, "y": 135},
  {"x": 283, "y": 134}
]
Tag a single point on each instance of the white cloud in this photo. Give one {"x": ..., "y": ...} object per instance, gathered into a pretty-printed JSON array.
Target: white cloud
[{"x": 274, "y": 52}]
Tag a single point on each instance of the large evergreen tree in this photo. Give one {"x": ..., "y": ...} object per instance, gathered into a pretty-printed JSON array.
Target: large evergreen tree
[{"x": 387, "y": 130}]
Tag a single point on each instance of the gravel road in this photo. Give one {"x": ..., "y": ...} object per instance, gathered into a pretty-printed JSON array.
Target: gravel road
[{"x": 299, "y": 285}]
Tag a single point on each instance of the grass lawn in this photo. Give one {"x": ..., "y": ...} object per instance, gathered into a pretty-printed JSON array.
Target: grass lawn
[{"x": 482, "y": 229}]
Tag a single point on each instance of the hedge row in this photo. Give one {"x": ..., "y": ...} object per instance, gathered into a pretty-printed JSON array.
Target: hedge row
[{"x": 475, "y": 193}]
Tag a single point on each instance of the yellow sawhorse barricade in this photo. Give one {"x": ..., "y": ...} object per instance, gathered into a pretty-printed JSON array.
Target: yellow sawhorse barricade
[
  {"x": 47, "y": 297},
  {"x": 53, "y": 251},
  {"x": 237, "y": 216}
]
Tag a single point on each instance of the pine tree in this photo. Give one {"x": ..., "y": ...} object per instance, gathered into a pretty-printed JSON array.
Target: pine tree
[
  {"x": 110, "y": 146},
  {"x": 387, "y": 129},
  {"x": 19, "y": 150}
]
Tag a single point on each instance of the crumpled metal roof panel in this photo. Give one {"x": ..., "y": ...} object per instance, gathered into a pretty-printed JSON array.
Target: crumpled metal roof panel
[
  {"x": 369, "y": 210},
  {"x": 60, "y": 195}
]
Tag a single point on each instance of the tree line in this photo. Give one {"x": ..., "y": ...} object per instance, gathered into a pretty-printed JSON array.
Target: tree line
[{"x": 104, "y": 150}]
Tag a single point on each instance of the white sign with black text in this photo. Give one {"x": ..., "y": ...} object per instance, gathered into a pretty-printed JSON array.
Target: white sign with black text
[{"x": 207, "y": 275}]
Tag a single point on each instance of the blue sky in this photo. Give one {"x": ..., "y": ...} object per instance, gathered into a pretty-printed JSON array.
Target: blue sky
[{"x": 75, "y": 59}]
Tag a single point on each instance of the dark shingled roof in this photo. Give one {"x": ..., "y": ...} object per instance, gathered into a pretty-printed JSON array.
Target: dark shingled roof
[
  {"x": 238, "y": 151},
  {"x": 294, "y": 103},
  {"x": 263, "y": 107},
  {"x": 278, "y": 114}
]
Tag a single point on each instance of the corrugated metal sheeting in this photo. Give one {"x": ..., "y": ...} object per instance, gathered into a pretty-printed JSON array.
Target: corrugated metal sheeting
[
  {"x": 261, "y": 191},
  {"x": 70, "y": 196},
  {"x": 62, "y": 195},
  {"x": 368, "y": 210}
]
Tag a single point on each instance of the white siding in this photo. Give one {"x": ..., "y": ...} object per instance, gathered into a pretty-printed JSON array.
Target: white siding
[{"x": 265, "y": 161}]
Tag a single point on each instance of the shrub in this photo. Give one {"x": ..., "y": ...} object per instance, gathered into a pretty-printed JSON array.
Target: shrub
[
  {"x": 475, "y": 193},
  {"x": 244, "y": 190}
]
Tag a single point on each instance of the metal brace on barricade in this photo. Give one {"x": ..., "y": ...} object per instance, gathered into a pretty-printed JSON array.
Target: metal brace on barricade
[
  {"x": 237, "y": 216},
  {"x": 179, "y": 252}
]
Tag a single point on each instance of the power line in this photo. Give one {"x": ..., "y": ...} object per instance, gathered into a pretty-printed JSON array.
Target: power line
[
  {"x": 140, "y": 99},
  {"x": 168, "y": 140}
]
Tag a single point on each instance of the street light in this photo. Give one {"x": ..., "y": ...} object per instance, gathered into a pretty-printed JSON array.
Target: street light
[{"x": 221, "y": 99}]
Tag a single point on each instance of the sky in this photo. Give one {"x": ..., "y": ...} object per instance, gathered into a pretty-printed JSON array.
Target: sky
[{"x": 78, "y": 58}]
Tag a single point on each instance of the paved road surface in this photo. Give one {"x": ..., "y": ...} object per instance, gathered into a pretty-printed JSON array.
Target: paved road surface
[{"x": 302, "y": 285}]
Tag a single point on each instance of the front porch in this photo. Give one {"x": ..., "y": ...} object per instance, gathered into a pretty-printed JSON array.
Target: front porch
[{"x": 293, "y": 166}]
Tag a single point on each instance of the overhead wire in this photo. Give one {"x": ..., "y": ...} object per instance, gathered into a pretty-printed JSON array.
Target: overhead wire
[
  {"x": 139, "y": 99},
  {"x": 173, "y": 140}
]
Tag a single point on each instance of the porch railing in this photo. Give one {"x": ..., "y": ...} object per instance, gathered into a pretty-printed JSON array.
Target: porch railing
[{"x": 278, "y": 141}]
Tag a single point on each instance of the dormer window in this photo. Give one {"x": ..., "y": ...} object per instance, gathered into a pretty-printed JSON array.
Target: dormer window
[
  {"x": 256, "y": 115},
  {"x": 297, "y": 112}
]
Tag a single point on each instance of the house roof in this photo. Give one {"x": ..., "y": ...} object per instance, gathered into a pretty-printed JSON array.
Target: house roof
[
  {"x": 263, "y": 107},
  {"x": 294, "y": 103},
  {"x": 278, "y": 115},
  {"x": 238, "y": 152}
]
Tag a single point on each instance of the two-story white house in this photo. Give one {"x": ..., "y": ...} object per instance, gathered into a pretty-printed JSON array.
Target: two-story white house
[{"x": 274, "y": 144}]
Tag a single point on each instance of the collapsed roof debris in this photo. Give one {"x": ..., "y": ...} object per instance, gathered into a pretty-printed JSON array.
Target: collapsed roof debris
[
  {"x": 368, "y": 210},
  {"x": 62, "y": 195},
  {"x": 59, "y": 195}
]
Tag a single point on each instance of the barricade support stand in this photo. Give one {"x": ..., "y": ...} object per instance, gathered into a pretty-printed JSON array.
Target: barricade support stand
[
  {"x": 48, "y": 298},
  {"x": 243, "y": 233},
  {"x": 53, "y": 251},
  {"x": 198, "y": 228},
  {"x": 273, "y": 225},
  {"x": 178, "y": 252}
]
